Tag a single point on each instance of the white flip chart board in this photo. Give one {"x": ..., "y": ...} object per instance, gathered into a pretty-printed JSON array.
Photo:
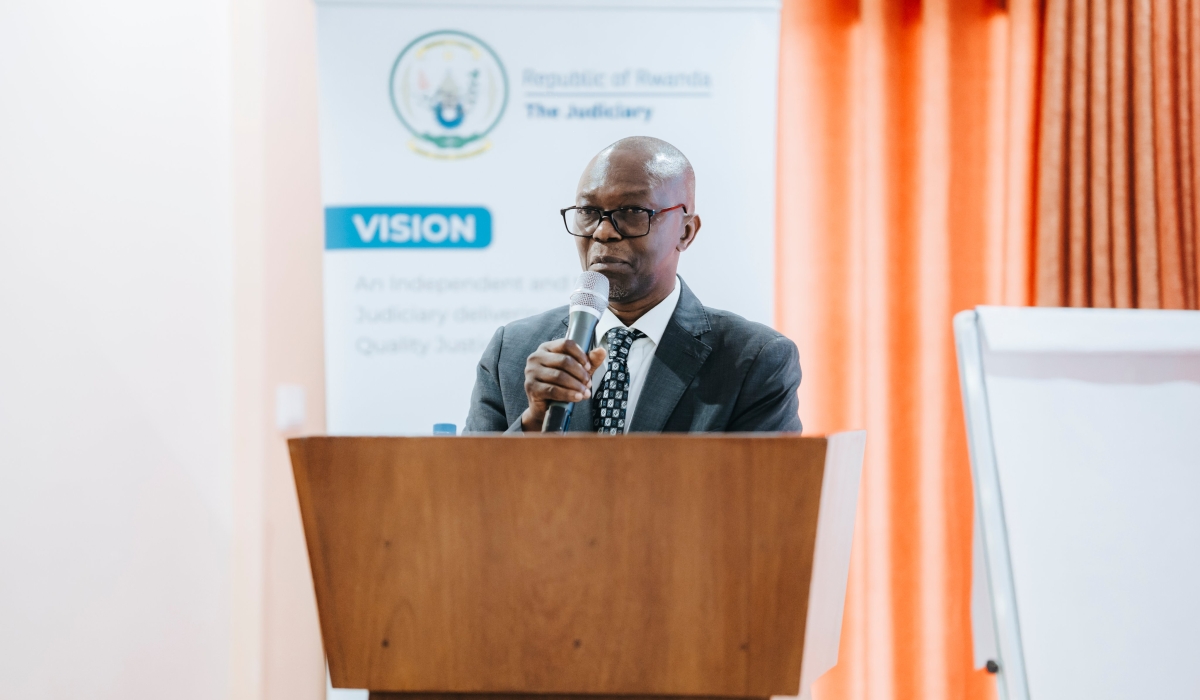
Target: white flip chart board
[{"x": 1084, "y": 431}]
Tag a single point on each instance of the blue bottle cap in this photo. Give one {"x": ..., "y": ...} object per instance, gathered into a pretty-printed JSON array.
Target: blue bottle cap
[{"x": 445, "y": 429}]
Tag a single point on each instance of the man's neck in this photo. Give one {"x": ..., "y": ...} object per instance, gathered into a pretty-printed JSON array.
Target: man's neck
[{"x": 629, "y": 312}]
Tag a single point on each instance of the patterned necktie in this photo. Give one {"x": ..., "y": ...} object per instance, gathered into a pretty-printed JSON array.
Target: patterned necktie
[{"x": 611, "y": 400}]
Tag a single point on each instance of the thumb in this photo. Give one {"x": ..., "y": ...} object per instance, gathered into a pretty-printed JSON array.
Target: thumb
[{"x": 596, "y": 356}]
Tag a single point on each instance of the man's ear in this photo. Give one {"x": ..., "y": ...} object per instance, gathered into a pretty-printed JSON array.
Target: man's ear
[{"x": 690, "y": 229}]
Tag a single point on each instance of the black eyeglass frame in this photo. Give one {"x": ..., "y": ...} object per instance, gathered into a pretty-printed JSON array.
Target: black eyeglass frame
[{"x": 608, "y": 214}]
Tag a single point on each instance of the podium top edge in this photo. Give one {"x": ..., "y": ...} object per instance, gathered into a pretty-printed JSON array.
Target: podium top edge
[{"x": 583, "y": 436}]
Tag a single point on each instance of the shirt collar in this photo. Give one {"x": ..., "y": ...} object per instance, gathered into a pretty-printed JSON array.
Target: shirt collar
[{"x": 653, "y": 323}]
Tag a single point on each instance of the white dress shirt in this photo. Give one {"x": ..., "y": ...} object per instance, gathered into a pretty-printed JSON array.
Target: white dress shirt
[{"x": 653, "y": 323}]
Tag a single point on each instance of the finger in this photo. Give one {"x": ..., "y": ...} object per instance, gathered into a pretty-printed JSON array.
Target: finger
[
  {"x": 597, "y": 356},
  {"x": 567, "y": 364},
  {"x": 553, "y": 392},
  {"x": 557, "y": 377},
  {"x": 570, "y": 347}
]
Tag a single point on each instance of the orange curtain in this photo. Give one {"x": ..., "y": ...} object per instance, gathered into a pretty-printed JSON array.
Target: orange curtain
[
  {"x": 906, "y": 155},
  {"x": 1119, "y": 141}
]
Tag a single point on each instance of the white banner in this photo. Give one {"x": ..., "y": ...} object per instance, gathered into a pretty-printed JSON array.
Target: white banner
[{"x": 452, "y": 135}]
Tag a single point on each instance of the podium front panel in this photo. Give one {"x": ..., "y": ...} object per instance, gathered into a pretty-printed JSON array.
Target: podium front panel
[{"x": 636, "y": 565}]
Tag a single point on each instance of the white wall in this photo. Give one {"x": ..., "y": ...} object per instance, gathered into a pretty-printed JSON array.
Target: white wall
[
  {"x": 160, "y": 275},
  {"x": 116, "y": 349},
  {"x": 279, "y": 229}
]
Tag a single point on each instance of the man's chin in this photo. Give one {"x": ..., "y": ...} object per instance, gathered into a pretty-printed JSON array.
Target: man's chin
[
  {"x": 617, "y": 283},
  {"x": 621, "y": 290},
  {"x": 619, "y": 278}
]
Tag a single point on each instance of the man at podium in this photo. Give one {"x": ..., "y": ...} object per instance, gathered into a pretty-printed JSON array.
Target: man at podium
[{"x": 676, "y": 365}]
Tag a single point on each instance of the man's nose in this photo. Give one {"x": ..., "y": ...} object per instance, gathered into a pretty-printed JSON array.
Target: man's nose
[{"x": 606, "y": 231}]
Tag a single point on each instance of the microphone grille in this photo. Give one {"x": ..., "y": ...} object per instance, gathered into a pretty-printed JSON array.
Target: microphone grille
[{"x": 591, "y": 290}]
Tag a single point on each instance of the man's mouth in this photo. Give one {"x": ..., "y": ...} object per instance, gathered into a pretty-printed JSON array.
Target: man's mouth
[{"x": 607, "y": 261}]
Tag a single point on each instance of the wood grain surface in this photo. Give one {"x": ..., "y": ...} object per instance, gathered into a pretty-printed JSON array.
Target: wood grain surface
[
  {"x": 636, "y": 565},
  {"x": 537, "y": 696}
]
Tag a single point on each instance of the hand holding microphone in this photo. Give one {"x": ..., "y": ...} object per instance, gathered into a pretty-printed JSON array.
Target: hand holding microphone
[{"x": 559, "y": 373}]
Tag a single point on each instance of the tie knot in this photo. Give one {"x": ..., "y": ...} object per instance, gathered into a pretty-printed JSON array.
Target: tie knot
[{"x": 620, "y": 339}]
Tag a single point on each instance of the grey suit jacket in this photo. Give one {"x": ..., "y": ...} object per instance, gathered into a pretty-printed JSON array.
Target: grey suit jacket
[{"x": 713, "y": 372}]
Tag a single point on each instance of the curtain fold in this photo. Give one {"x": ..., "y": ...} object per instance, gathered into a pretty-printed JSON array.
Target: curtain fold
[
  {"x": 906, "y": 155},
  {"x": 1117, "y": 156}
]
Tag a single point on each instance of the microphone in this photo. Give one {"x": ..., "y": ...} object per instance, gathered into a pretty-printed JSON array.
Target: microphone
[{"x": 588, "y": 302}]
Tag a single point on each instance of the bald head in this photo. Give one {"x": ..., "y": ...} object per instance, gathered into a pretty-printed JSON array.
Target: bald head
[
  {"x": 662, "y": 164},
  {"x": 638, "y": 173}
]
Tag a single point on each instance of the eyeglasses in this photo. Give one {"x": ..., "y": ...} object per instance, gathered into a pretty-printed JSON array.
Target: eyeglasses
[{"x": 629, "y": 222}]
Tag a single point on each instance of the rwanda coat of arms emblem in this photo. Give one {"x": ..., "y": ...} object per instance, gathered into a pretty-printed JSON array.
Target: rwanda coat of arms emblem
[{"x": 449, "y": 89}]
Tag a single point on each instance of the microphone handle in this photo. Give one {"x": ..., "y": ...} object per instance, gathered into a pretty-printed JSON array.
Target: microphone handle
[{"x": 581, "y": 328}]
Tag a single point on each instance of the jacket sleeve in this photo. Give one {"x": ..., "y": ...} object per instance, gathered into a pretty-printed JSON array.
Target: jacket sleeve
[
  {"x": 768, "y": 400},
  {"x": 487, "y": 402}
]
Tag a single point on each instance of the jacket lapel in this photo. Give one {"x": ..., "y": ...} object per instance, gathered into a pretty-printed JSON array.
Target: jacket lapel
[{"x": 676, "y": 362}]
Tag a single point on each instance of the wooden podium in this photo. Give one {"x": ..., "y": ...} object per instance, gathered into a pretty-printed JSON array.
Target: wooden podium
[{"x": 651, "y": 566}]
